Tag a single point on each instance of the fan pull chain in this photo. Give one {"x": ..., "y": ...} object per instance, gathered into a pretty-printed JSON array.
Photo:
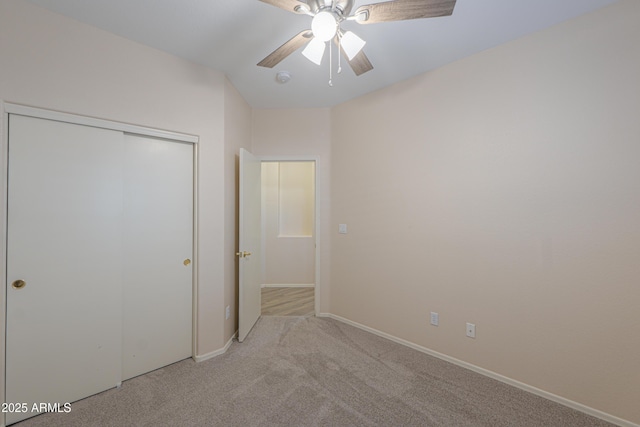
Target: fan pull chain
[
  {"x": 330, "y": 67},
  {"x": 339, "y": 53}
]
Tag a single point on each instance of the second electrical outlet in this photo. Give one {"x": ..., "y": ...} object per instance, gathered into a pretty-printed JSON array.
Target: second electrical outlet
[{"x": 471, "y": 330}]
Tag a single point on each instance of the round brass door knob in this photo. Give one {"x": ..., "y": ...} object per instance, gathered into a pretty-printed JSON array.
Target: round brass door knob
[
  {"x": 187, "y": 261},
  {"x": 19, "y": 284}
]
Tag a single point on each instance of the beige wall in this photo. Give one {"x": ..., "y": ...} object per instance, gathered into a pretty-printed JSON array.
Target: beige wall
[
  {"x": 288, "y": 259},
  {"x": 237, "y": 134},
  {"x": 504, "y": 190},
  {"x": 56, "y": 63},
  {"x": 294, "y": 133}
]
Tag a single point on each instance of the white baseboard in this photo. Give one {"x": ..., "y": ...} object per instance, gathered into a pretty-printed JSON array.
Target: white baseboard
[
  {"x": 223, "y": 350},
  {"x": 288, "y": 285},
  {"x": 547, "y": 395}
]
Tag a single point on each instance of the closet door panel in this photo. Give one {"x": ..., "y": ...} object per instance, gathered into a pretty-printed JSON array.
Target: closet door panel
[
  {"x": 65, "y": 215},
  {"x": 158, "y": 233}
]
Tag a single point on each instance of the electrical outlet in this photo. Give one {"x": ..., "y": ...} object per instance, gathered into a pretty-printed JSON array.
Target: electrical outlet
[
  {"x": 227, "y": 313},
  {"x": 435, "y": 319},
  {"x": 471, "y": 330}
]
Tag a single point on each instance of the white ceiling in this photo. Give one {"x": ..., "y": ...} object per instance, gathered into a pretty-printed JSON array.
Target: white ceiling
[{"x": 234, "y": 35}]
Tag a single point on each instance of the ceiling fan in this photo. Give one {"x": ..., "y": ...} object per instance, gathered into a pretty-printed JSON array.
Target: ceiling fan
[{"x": 325, "y": 27}]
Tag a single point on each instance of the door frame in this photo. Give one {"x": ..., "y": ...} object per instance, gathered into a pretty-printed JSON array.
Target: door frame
[
  {"x": 7, "y": 108},
  {"x": 316, "y": 161}
]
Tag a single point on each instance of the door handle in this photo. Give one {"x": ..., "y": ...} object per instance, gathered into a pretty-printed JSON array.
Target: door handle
[
  {"x": 243, "y": 254},
  {"x": 19, "y": 284},
  {"x": 186, "y": 262}
]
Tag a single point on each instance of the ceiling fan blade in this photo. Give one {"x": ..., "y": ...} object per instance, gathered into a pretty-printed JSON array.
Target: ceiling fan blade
[
  {"x": 400, "y": 10},
  {"x": 290, "y": 5},
  {"x": 286, "y": 49},
  {"x": 360, "y": 63}
]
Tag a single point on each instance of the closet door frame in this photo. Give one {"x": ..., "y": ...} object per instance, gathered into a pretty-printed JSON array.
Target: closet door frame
[{"x": 10, "y": 108}]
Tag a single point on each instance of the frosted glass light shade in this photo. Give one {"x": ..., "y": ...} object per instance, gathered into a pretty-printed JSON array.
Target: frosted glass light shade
[
  {"x": 314, "y": 50},
  {"x": 324, "y": 26},
  {"x": 351, "y": 44}
]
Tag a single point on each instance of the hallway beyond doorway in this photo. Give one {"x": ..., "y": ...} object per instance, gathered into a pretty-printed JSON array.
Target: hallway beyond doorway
[{"x": 288, "y": 301}]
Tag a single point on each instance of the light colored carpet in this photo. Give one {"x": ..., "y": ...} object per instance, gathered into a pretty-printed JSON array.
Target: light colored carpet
[{"x": 295, "y": 371}]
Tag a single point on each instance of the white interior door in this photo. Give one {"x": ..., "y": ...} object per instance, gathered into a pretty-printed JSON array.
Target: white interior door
[
  {"x": 250, "y": 242},
  {"x": 158, "y": 241},
  {"x": 65, "y": 242}
]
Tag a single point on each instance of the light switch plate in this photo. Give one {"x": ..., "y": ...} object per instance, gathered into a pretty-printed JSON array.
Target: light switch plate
[
  {"x": 342, "y": 228},
  {"x": 435, "y": 319}
]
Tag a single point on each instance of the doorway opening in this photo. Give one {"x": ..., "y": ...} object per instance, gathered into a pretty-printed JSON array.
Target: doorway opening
[{"x": 288, "y": 267}]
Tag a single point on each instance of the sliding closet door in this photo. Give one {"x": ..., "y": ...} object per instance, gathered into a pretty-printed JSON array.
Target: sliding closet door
[
  {"x": 158, "y": 230},
  {"x": 65, "y": 214}
]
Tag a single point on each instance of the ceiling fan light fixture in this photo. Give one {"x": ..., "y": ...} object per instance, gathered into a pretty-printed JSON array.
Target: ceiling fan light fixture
[
  {"x": 314, "y": 50},
  {"x": 324, "y": 26},
  {"x": 351, "y": 44}
]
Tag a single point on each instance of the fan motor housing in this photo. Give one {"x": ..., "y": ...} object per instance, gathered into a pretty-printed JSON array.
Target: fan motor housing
[{"x": 342, "y": 7}]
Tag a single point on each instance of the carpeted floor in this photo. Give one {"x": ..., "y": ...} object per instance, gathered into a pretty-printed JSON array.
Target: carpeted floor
[{"x": 294, "y": 371}]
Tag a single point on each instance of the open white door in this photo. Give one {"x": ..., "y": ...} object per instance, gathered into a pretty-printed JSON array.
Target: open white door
[{"x": 250, "y": 241}]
